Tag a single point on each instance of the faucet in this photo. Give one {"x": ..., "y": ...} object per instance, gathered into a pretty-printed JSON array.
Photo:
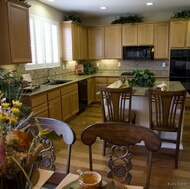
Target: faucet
[{"x": 48, "y": 75}]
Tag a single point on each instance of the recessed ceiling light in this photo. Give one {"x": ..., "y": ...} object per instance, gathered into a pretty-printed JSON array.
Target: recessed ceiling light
[
  {"x": 149, "y": 3},
  {"x": 103, "y": 8},
  {"x": 51, "y": 0}
]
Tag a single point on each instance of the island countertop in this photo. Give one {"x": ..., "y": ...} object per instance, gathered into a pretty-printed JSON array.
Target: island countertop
[{"x": 141, "y": 91}]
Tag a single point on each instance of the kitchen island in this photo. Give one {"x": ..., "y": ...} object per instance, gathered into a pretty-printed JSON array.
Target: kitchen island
[{"x": 140, "y": 104}]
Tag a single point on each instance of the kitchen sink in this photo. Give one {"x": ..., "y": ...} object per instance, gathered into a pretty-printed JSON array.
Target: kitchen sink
[{"x": 57, "y": 82}]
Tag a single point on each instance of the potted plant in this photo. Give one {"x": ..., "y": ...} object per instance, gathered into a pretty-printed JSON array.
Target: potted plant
[
  {"x": 127, "y": 19},
  {"x": 142, "y": 78}
]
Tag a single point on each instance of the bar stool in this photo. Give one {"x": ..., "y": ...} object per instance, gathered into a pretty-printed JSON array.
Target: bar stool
[
  {"x": 116, "y": 106},
  {"x": 166, "y": 111}
]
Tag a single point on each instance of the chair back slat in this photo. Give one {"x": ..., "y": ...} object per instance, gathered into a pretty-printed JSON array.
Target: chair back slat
[{"x": 115, "y": 102}]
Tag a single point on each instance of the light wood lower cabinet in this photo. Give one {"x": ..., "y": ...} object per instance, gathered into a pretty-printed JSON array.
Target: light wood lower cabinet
[
  {"x": 90, "y": 90},
  {"x": 69, "y": 101},
  {"x": 54, "y": 104},
  {"x": 39, "y": 105}
]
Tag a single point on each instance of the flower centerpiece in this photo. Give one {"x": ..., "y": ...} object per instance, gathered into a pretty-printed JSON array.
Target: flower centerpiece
[
  {"x": 18, "y": 148},
  {"x": 19, "y": 145}
]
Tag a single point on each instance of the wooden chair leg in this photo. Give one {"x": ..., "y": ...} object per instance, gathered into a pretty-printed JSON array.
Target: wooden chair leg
[{"x": 104, "y": 148}]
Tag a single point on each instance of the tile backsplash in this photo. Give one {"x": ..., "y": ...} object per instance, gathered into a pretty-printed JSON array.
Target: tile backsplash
[{"x": 40, "y": 76}]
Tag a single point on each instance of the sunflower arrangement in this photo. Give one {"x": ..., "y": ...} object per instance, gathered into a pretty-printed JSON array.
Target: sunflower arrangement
[{"x": 18, "y": 147}]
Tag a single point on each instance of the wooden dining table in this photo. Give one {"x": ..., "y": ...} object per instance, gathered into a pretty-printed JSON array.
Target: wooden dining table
[{"x": 53, "y": 180}]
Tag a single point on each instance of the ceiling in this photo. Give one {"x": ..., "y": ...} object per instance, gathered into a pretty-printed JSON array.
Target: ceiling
[{"x": 91, "y": 8}]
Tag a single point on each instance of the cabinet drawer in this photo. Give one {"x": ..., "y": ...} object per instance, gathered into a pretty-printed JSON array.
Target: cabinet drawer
[
  {"x": 53, "y": 94},
  {"x": 38, "y": 100},
  {"x": 101, "y": 80},
  {"x": 69, "y": 88},
  {"x": 40, "y": 109}
]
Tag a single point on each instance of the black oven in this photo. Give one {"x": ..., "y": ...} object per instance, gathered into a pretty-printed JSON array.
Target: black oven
[{"x": 180, "y": 67}]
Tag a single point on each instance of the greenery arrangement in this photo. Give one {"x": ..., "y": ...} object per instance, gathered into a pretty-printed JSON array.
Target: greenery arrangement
[
  {"x": 127, "y": 19},
  {"x": 72, "y": 18},
  {"x": 142, "y": 78},
  {"x": 182, "y": 14},
  {"x": 89, "y": 68}
]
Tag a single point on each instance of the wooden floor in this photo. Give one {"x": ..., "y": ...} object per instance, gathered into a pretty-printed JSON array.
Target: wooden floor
[{"x": 163, "y": 173}]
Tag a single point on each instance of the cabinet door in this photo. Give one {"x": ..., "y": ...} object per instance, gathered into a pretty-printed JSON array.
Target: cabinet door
[
  {"x": 18, "y": 17},
  {"x": 54, "y": 103},
  {"x": 55, "y": 109},
  {"x": 90, "y": 91},
  {"x": 113, "y": 47},
  {"x": 74, "y": 102},
  {"x": 129, "y": 34},
  {"x": 66, "y": 108},
  {"x": 145, "y": 34},
  {"x": 161, "y": 38},
  {"x": 83, "y": 43},
  {"x": 75, "y": 41},
  {"x": 178, "y": 33},
  {"x": 96, "y": 43},
  {"x": 99, "y": 81},
  {"x": 188, "y": 35}
]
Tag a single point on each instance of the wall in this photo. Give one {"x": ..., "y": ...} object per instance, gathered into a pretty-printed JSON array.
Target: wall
[{"x": 39, "y": 76}]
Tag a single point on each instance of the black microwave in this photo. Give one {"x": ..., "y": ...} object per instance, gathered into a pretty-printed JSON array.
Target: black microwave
[{"x": 138, "y": 52}]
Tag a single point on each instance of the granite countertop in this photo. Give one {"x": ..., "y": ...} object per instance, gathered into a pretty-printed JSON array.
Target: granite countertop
[
  {"x": 142, "y": 91},
  {"x": 76, "y": 78}
]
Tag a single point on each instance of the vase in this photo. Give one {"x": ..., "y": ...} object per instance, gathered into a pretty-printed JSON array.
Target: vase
[{"x": 17, "y": 181}]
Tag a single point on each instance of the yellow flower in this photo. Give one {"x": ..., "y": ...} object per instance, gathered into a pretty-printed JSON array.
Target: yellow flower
[
  {"x": 17, "y": 103},
  {"x": 13, "y": 120},
  {"x": 6, "y": 118},
  {"x": 15, "y": 111},
  {"x": 5, "y": 105}
]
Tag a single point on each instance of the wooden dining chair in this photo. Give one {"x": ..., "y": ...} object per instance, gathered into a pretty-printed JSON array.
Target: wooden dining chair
[
  {"x": 61, "y": 129},
  {"x": 116, "y": 106},
  {"x": 166, "y": 112},
  {"x": 122, "y": 136}
]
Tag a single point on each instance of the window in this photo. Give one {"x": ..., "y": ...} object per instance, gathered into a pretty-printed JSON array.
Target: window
[{"x": 44, "y": 43}]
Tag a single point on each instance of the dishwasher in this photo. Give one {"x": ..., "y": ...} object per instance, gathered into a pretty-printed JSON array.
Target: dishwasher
[{"x": 82, "y": 94}]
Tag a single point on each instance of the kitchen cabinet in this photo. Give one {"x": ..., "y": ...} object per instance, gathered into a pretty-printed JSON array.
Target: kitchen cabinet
[
  {"x": 73, "y": 41},
  {"x": 54, "y": 104},
  {"x": 69, "y": 101},
  {"x": 161, "y": 40},
  {"x": 90, "y": 83},
  {"x": 179, "y": 33},
  {"x": 129, "y": 34},
  {"x": 96, "y": 43},
  {"x": 137, "y": 34},
  {"x": 188, "y": 34},
  {"x": 145, "y": 34},
  {"x": 113, "y": 47},
  {"x": 39, "y": 105},
  {"x": 15, "y": 34}
]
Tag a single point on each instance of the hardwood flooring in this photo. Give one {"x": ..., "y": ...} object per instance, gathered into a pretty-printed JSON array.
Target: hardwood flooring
[{"x": 163, "y": 176}]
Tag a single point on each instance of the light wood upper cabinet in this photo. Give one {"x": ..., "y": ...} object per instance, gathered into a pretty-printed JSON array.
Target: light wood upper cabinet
[
  {"x": 15, "y": 33},
  {"x": 137, "y": 34},
  {"x": 178, "y": 32},
  {"x": 161, "y": 40},
  {"x": 188, "y": 35},
  {"x": 96, "y": 43},
  {"x": 113, "y": 47},
  {"x": 83, "y": 43},
  {"x": 145, "y": 34},
  {"x": 73, "y": 41},
  {"x": 129, "y": 34}
]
